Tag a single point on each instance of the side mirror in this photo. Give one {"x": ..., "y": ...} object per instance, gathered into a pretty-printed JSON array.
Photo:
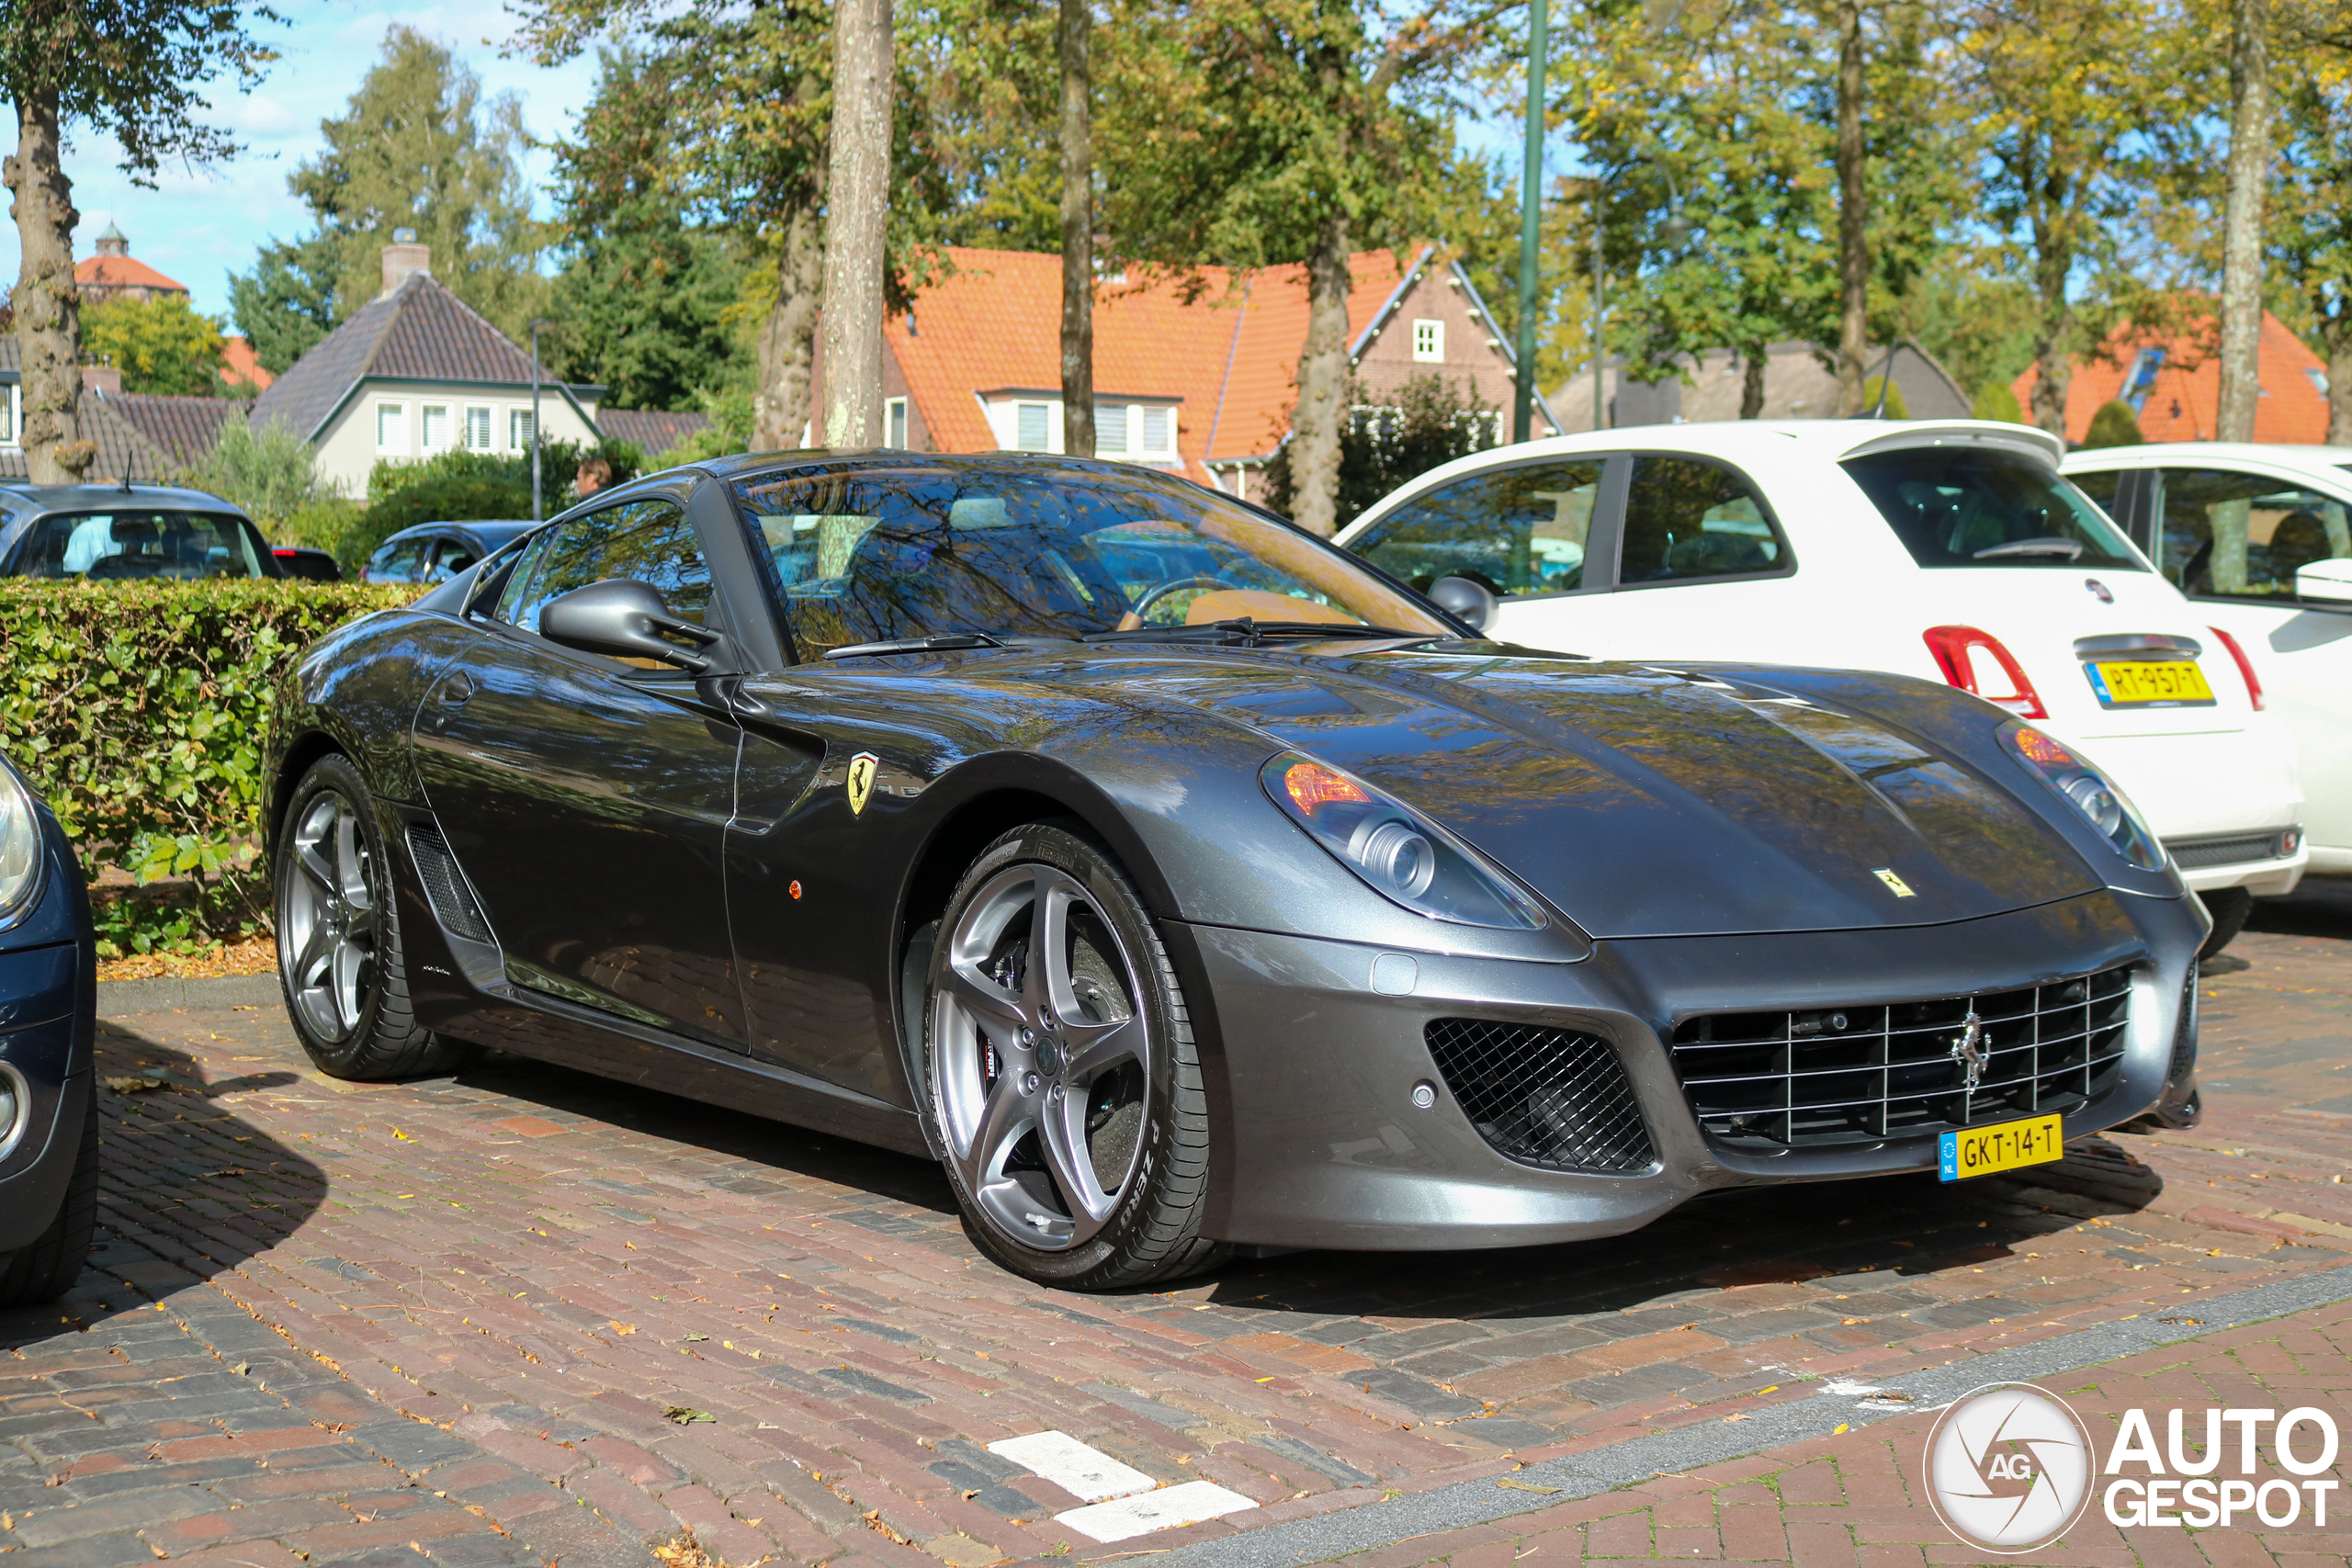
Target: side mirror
[
  {"x": 1466, "y": 598},
  {"x": 624, "y": 618},
  {"x": 2329, "y": 582}
]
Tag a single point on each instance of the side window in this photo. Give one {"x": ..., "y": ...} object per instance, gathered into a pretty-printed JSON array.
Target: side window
[
  {"x": 396, "y": 562},
  {"x": 2241, "y": 536},
  {"x": 649, "y": 540},
  {"x": 1519, "y": 530},
  {"x": 450, "y": 556},
  {"x": 2103, "y": 488},
  {"x": 1687, "y": 518}
]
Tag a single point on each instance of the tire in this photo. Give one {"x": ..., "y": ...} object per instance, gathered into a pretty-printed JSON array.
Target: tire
[
  {"x": 47, "y": 1268},
  {"x": 339, "y": 959},
  {"x": 2229, "y": 907},
  {"x": 1074, "y": 1133}
]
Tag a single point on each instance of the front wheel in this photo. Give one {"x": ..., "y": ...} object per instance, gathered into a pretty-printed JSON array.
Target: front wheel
[{"x": 1060, "y": 1073}]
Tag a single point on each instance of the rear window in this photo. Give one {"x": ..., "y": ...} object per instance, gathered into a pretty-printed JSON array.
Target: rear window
[
  {"x": 1979, "y": 507},
  {"x": 138, "y": 543}
]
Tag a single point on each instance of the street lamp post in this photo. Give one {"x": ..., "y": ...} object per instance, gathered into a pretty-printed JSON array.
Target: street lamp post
[
  {"x": 1531, "y": 206},
  {"x": 538, "y": 504}
]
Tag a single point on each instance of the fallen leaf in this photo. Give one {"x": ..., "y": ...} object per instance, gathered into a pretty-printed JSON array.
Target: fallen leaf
[
  {"x": 685, "y": 1416},
  {"x": 622, "y": 1327},
  {"x": 695, "y": 1339},
  {"x": 137, "y": 1086},
  {"x": 1841, "y": 1427},
  {"x": 1524, "y": 1485}
]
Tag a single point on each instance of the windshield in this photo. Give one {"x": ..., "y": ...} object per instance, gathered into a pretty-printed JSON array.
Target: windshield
[
  {"x": 864, "y": 553},
  {"x": 139, "y": 542},
  {"x": 1971, "y": 506}
]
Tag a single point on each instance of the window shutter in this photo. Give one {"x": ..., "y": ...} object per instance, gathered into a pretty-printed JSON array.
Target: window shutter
[
  {"x": 1032, "y": 433},
  {"x": 1158, "y": 431},
  {"x": 1109, "y": 429}
]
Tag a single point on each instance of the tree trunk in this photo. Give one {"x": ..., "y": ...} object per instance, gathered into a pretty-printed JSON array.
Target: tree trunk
[
  {"x": 2249, "y": 166},
  {"x": 1853, "y": 215},
  {"x": 1078, "y": 230},
  {"x": 857, "y": 219},
  {"x": 1751, "y": 389},
  {"x": 2053, "y": 333},
  {"x": 48, "y": 305},
  {"x": 2338, "y": 343},
  {"x": 780, "y": 407},
  {"x": 1322, "y": 384}
]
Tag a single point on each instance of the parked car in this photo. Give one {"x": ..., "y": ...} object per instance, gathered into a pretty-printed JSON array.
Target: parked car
[
  {"x": 48, "y": 1128},
  {"x": 311, "y": 565},
  {"x": 1949, "y": 549},
  {"x": 123, "y": 532},
  {"x": 2260, "y": 539},
  {"x": 1182, "y": 883},
  {"x": 434, "y": 552}
]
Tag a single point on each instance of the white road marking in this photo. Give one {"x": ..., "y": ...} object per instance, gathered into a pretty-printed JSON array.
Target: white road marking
[
  {"x": 1078, "y": 1470},
  {"x": 1188, "y": 1504}
]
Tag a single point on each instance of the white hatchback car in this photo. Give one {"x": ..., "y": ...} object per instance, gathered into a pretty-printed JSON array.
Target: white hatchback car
[
  {"x": 1949, "y": 549},
  {"x": 2260, "y": 539}
]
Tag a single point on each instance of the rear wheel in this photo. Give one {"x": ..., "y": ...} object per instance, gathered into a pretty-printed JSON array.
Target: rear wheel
[
  {"x": 339, "y": 938},
  {"x": 2229, "y": 907},
  {"x": 1060, "y": 1072}
]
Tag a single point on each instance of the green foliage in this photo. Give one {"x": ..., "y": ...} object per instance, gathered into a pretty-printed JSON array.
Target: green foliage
[
  {"x": 133, "y": 70},
  {"x": 1428, "y": 422},
  {"x": 642, "y": 300},
  {"x": 420, "y": 147},
  {"x": 1477, "y": 218},
  {"x": 1996, "y": 399},
  {"x": 729, "y": 430},
  {"x": 458, "y": 486},
  {"x": 140, "y": 712},
  {"x": 271, "y": 473},
  {"x": 287, "y": 303},
  {"x": 162, "y": 344},
  {"x": 2113, "y": 425},
  {"x": 1897, "y": 406}
]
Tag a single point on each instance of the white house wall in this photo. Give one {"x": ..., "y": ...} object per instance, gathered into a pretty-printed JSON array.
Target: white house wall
[{"x": 347, "y": 450}]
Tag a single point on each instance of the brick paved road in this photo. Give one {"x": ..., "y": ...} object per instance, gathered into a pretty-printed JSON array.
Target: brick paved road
[{"x": 523, "y": 1314}]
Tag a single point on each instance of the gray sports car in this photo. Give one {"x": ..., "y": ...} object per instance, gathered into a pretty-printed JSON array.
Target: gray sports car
[{"x": 1185, "y": 884}]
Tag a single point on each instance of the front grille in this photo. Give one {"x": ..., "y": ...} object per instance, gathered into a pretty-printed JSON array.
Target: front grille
[
  {"x": 445, "y": 885},
  {"x": 1853, "y": 1075},
  {"x": 2195, "y": 854},
  {"x": 1543, "y": 1097}
]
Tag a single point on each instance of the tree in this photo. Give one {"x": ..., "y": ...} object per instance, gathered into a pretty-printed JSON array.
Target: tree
[
  {"x": 643, "y": 301},
  {"x": 2310, "y": 228},
  {"x": 288, "y": 302},
  {"x": 2113, "y": 425},
  {"x": 2242, "y": 222},
  {"x": 162, "y": 344},
  {"x": 1429, "y": 421},
  {"x": 1286, "y": 132},
  {"x": 419, "y": 147},
  {"x": 131, "y": 70},
  {"x": 1853, "y": 215},
  {"x": 1071, "y": 36},
  {"x": 270, "y": 473},
  {"x": 858, "y": 222}
]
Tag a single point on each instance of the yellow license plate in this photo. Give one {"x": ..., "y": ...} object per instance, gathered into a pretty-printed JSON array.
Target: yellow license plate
[
  {"x": 2004, "y": 1146},
  {"x": 2172, "y": 683}
]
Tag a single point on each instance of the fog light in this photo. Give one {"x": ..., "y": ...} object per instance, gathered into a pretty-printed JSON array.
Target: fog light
[{"x": 12, "y": 1108}]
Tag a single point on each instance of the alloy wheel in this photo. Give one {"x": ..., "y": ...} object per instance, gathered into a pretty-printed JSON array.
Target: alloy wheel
[
  {"x": 327, "y": 922},
  {"x": 1041, "y": 1057}
]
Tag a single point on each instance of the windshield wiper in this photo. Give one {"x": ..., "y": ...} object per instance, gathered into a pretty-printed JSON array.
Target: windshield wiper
[
  {"x": 942, "y": 642},
  {"x": 1251, "y": 633},
  {"x": 2048, "y": 545}
]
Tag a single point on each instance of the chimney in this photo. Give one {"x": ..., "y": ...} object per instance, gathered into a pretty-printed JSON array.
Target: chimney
[
  {"x": 404, "y": 256},
  {"x": 105, "y": 379}
]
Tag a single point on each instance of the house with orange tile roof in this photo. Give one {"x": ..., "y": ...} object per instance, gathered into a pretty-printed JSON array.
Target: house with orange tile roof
[
  {"x": 2172, "y": 383},
  {"x": 1193, "y": 375},
  {"x": 115, "y": 274}
]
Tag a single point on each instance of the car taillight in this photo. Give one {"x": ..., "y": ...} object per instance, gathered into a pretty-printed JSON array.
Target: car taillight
[
  {"x": 1975, "y": 661},
  {"x": 2246, "y": 667}
]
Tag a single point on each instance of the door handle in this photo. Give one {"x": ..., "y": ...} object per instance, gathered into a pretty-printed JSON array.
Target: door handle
[{"x": 457, "y": 690}]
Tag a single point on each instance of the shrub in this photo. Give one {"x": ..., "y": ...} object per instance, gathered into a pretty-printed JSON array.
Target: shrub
[
  {"x": 458, "y": 486},
  {"x": 1429, "y": 423},
  {"x": 2113, "y": 425},
  {"x": 140, "y": 712},
  {"x": 270, "y": 472},
  {"x": 1897, "y": 405},
  {"x": 1994, "y": 400}
]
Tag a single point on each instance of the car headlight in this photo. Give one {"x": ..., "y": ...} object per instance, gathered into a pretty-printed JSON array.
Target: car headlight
[
  {"x": 21, "y": 846},
  {"x": 2088, "y": 791},
  {"x": 1399, "y": 854}
]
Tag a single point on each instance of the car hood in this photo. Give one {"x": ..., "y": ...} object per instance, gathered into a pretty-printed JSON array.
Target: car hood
[{"x": 1647, "y": 802}]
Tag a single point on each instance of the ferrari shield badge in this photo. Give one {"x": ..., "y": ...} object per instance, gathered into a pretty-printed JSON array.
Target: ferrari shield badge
[
  {"x": 860, "y": 781},
  {"x": 1896, "y": 885}
]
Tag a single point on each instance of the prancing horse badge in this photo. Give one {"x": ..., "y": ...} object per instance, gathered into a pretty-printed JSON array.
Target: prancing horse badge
[{"x": 860, "y": 781}]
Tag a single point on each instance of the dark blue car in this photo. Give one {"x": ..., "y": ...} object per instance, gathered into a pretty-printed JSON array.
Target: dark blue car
[{"x": 49, "y": 1125}]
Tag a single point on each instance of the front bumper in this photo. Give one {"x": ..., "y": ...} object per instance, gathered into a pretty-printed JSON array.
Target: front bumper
[
  {"x": 48, "y": 1038},
  {"x": 1312, "y": 1072}
]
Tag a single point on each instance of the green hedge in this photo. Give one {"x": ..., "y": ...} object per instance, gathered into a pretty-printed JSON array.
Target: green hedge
[{"x": 140, "y": 711}]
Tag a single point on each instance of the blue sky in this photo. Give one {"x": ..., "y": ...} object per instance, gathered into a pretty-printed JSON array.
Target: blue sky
[{"x": 200, "y": 226}]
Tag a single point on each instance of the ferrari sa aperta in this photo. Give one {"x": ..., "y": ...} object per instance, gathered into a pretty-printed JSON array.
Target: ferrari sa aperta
[{"x": 1183, "y": 884}]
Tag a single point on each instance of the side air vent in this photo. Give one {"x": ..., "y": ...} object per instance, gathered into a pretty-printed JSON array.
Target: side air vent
[
  {"x": 2184, "y": 1032},
  {"x": 1544, "y": 1097},
  {"x": 445, "y": 885}
]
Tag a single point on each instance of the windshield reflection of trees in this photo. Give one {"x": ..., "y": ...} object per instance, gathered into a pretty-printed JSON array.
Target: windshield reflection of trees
[
  {"x": 864, "y": 553},
  {"x": 650, "y": 541}
]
